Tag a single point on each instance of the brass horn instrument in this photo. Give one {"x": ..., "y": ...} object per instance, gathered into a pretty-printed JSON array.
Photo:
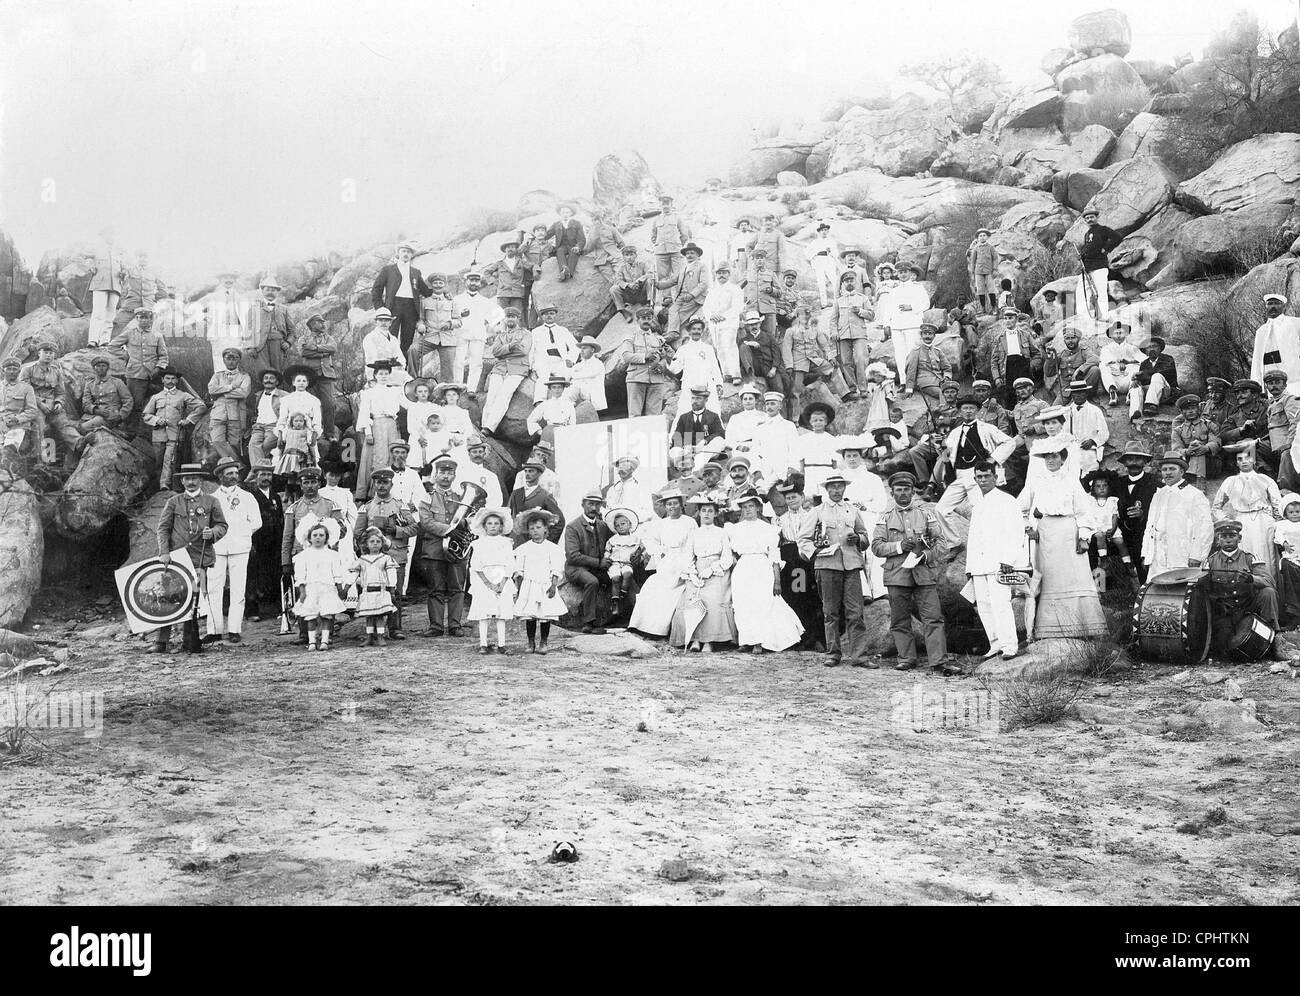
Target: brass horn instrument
[{"x": 472, "y": 498}]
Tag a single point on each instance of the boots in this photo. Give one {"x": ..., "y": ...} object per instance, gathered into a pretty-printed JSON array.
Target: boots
[
  {"x": 302, "y": 634},
  {"x": 325, "y": 636},
  {"x": 395, "y": 624}
]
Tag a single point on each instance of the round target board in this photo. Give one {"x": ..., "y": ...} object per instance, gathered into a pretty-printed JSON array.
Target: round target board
[{"x": 158, "y": 595}]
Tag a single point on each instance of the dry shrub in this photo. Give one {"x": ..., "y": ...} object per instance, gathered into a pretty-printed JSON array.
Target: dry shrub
[
  {"x": 961, "y": 221},
  {"x": 1263, "y": 248},
  {"x": 1223, "y": 340},
  {"x": 1036, "y": 696},
  {"x": 1046, "y": 265}
]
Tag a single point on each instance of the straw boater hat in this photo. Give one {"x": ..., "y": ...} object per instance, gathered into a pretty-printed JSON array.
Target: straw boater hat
[
  {"x": 440, "y": 390},
  {"x": 835, "y": 477},
  {"x": 1047, "y": 414},
  {"x": 193, "y": 470},
  {"x": 849, "y": 442},
  {"x": 409, "y": 387},
  {"x": 1046, "y": 445},
  {"x": 481, "y": 516},
  {"x": 529, "y": 516},
  {"x": 613, "y": 513},
  {"x": 587, "y": 340}
]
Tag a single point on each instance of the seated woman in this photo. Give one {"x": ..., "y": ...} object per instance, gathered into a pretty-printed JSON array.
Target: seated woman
[
  {"x": 1054, "y": 503},
  {"x": 763, "y": 620},
  {"x": 1286, "y": 537},
  {"x": 665, "y": 542},
  {"x": 703, "y": 615}
]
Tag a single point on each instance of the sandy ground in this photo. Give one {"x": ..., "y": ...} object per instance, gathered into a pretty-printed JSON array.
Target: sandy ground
[{"x": 426, "y": 774}]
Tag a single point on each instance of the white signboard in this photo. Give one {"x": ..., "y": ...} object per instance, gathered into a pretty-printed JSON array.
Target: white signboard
[{"x": 585, "y": 455}]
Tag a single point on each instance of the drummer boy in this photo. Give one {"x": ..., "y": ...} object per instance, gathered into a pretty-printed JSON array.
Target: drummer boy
[{"x": 1231, "y": 599}]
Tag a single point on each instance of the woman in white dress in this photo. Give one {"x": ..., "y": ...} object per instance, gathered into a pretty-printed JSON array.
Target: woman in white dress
[
  {"x": 1066, "y": 596},
  {"x": 704, "y": 616},
  {"x": 418, "y": 392},
  {"x": 666, "y": 542},
  {"x": 763, "y": 620},
  {"x": 1053, "y": 422},
  {"x": 1254, "y": 501},
  {"x": 817, "y": 450}
]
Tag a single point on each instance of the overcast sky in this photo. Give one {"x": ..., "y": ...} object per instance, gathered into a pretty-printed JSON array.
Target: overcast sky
[{"x": 216, "y": 133}]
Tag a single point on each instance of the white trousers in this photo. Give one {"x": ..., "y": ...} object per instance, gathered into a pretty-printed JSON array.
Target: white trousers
[
  {"x": 1153, "y": 394},
  {"x": 993, "y": 602},
  {"x": 103, "y": 307},
  {"x": 235, "y": 567},
  {"x": 469, "y": 353},
  {"x": 723, "y": 335},
  {"x": 501, "y": 388},
  {"x": 905, "y": 340},
  {"x": 825, "y": 277},
  {"x": 955, "y": 496},
  {"x": 1083, "y": 300},
  {"x": 1117, "y": 381}
]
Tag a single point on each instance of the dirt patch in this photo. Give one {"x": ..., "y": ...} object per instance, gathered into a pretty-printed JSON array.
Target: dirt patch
[{"x": 425, "y": 773}]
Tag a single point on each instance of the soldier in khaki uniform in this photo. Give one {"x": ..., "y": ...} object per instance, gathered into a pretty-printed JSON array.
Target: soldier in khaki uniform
[
  {"x": 910, "y": 531},
  {"x": 105, "y": 401},
  {"x": 647, "y": 368},
  {"x": 18, "y": 411},
  {"x": 47, "y": 380},
  {"x": 318, "y": 351},
  {"x": 228, "y": 390},
  {"x": 167, "y": 412},
  {"x": 145, "y": 353}
]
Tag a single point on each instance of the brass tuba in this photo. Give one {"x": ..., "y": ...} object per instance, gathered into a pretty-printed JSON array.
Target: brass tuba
[{"x": 472, "y": 498}]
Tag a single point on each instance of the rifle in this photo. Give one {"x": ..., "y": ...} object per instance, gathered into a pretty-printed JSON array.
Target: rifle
[
  {"x": 1089, "y": 291},
  {"x": 190, "y": 642},
  {"x": 286, "y": 609}
]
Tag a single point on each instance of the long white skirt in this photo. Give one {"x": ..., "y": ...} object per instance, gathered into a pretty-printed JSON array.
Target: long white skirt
[
  {"x": 657, "y": 600},
  {"x": 761, "y": 617}
]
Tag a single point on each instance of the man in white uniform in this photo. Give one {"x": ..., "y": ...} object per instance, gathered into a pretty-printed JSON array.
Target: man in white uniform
[
  {"x": 629, "y": 492},
  {"x": 231, "y": 554},
  {"x": 1277, "y": 342},
  {"x": 996, "y": 542},
  {"x": 1180, "y": 526},
  {"x": 1087, "y": 423},
  {"x": 554, "y": 350},
  {"x": 380, "y": 344},
  {"x": 722, "y": 307},
  {"x": 908, "y": 303},
  {"x": 480, "y": 317},
  {"x": 822, "y": 252},
  {"x": 776, "y": 441}
]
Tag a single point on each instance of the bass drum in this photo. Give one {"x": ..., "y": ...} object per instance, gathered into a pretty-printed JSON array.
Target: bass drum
[{"x": 1171, "y": 619}]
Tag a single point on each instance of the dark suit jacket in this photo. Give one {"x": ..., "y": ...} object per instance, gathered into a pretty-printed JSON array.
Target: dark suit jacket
[
  {"x": 1125, "y": 495},
  {"x": 584, "y": 547},
  {"x": 1163, "y": 365},
  {"x": 541, "y": 498},
  {"x": 389, "y": 280},
  {"x": 685, "y": 434},
  {"x": 569, "y": 235}
]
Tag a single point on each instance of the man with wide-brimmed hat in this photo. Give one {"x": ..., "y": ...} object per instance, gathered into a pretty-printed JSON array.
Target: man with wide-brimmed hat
[
  {"x": 228, "y": 391},
  {"x": 264, "y": 408},
  {"x": 1134, "y": 490},
  {"x": 191, "y": 521},
  {"x": 1154, "y": 383},
  {"x": 105, "y": 400},
  {"x": 909, "y": 540},
  {"x": 570, "y": 240},
  {"x": 231, "y": 553},
  {"x": 586, "y": 565},
  {"x": 270, "y": 329},
  {"x": 760, "y": 353},
  {"x": 511, "y": 276},
  {"x": 399, "y": 520},
  {"x": 531, "y": 494},
  {"x": 632, "y": 283},
  {"x": 903, "y": 314},
  {"x": 399, "y": 286},
  {"x": 555, "y": 411},
  {"x": 169, "y": 413},
  {"x": 853, "y": 260},
  {"x": 686, "y": 297},
  {"x": 822, "y": 253},
  {"x": 318, "y": 351},
  {"x": 970, "y": 444},
  {"x": 145, "y": 353},
  {"x": 1277, "y": 341},
  {"x": 1180, "y": 525}
]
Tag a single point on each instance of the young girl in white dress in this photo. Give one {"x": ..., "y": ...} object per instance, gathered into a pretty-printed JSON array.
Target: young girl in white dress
[
  {"x": 417, "y": 419},
  {"x": 455, "y": 419},
  {"x": 491, "y": 562},
  {"x": 539, "y": 566},
  {"x": 376, "y": 575},
  {"x": 319, "y": 575},
  {"x": 295, "y": 447}
]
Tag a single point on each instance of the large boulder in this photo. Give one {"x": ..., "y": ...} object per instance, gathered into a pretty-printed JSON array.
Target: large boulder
[
  {"x": 1136, "y": 191},
  {"x": 1102, "y": 74},
  {"x": 619, "y": 176},
  {"x": 110, "y": 475},
  {"x": 1218, "y": 242},
  {"x": 875, "y": 238},
  {"x": 765, "y": 161},
  {"x": 1141, "y": 137},
  {"x": 1145, "y": 255},
  {"x": 22, "y": 548},
  {"x": 1091, "y": 147},
  {"x": 546, "y": 201},
  {"x": 1045, "y": 222},
  {"x": 1262, "y": 169},
  {"x": 901, "y": 140},
  {"x": 1016, "y": 252},
  {"x": 1245, "y": 304},
  {"x": 1056, "y": 59},
  {"x": 1192, "y": 77},
  {"x": 307, "y": 277},
  {"x": 921, "y": 202},
  {"x": 1101, "y": 31},
  {"x": 1075, "y": 188},
  {"x": 354, "y": 279},
  {"x": 43, "y": 323},
  {"x": 15, "y": 278},
  {"x": 971, "y": 157},
  {"x": 142, "y": 527},
  {"x": 1154, "y": 73},
  {"x": 1035, "y": 106}
]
